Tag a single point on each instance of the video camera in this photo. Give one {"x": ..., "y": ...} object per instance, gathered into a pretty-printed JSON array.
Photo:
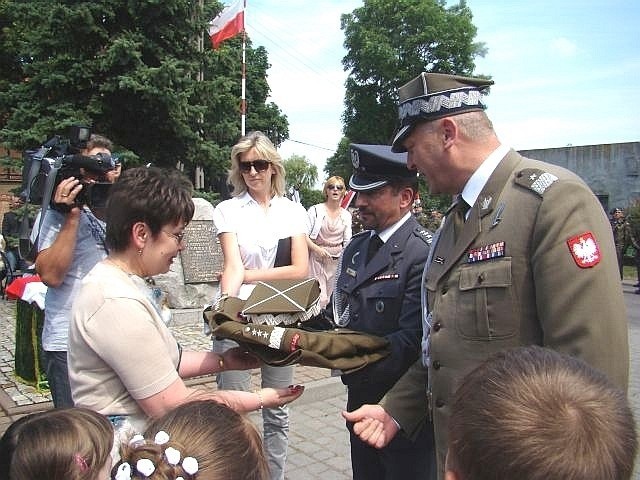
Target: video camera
[{"x": 60, "y": 158}]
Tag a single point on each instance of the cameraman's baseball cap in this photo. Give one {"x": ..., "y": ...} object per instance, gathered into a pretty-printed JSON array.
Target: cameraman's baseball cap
[
  {"x": 430, "y": 96},
  {"x": 375, "y": 165}
]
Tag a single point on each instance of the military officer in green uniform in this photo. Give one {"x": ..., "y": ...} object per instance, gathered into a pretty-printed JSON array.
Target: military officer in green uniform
[{"x": 524, "y": 257}]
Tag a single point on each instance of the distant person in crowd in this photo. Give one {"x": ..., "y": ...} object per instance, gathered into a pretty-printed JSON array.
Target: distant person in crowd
[
  {"x": 201, "y": 439},
  {"x": 263, "y": 237},
  {"x": 431, "y": 220},
  {"x": 70, "y": 241},
  {"x": 531, "y": 413},
  {"x": 11, "y": 234},
  {"x": 622, "y": 236},
  {"x": 123, "y": 360},
  {"x": 525, "y": 257},
  {"x": 378, "y": 293},
  {"x": 419, "y": 213},
  {"x": 294, "y": 193},
  {"x": 435, "y": 219},
  {"x": 329, "y": 232},
  {"x": 58, "y": 444},
  {"x": 356, "y": 224}
]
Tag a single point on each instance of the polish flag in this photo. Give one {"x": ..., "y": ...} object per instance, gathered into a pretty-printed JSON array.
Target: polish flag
[
  {"x": 346, "y": 201},
  {"x": 227, "y": 24}
]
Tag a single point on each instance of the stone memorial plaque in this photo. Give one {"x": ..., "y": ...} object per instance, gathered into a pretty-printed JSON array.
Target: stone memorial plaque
[{"x": 202, "y": 255}]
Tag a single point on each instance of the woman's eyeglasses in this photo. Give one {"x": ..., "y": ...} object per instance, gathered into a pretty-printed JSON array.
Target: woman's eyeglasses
[
  {"x": 335, "y": 187},
  {"x": 259, "y": 165},
  {"x": 178, "y": 237}
]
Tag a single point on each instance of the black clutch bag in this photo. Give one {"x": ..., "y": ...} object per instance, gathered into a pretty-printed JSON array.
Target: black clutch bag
[{"x": 283, "y": 253}]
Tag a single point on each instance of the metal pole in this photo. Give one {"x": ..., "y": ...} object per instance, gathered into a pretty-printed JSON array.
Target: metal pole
[{"x": 243, "y": 104}]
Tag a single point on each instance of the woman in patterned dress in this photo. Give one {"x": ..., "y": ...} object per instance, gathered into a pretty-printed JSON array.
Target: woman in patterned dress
[{"x": 329, "y": 232}]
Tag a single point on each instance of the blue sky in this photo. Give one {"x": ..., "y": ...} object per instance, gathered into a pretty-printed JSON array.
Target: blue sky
[{"x": 565, "y": 71}]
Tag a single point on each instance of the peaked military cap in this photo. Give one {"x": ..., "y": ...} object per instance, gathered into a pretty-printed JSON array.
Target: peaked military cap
[
  {"x": 375, "y": 165},
  {"x": 430, "y": 96}
]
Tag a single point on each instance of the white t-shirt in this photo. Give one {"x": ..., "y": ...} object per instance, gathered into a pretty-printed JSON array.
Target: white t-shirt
[{"x": 258, "y": 230}]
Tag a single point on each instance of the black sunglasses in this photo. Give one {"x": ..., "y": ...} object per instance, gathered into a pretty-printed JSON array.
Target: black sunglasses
[
  {"x": 335, "y": 187},
  {"x": 259, "y": 165}
]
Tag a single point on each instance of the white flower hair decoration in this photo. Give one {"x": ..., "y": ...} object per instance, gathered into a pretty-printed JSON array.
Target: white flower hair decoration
[{"x": 145, "y": 466}]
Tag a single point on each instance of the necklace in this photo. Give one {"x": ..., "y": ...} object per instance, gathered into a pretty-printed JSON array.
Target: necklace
[
  {"x": 120, "y": 266},
  {"x": 147, "y": 286}
]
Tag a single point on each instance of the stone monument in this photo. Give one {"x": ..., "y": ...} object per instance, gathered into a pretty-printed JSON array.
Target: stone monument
[{"x": 192, "y": 281}]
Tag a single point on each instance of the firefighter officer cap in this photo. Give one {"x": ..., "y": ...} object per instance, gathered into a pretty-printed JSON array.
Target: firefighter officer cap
[
  {"x": 430, "y": 96},
  {"x": 375, "y": 165}
]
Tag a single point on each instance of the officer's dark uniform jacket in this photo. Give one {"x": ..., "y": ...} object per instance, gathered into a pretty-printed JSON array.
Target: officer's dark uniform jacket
[{"x": 384, "y": 300}]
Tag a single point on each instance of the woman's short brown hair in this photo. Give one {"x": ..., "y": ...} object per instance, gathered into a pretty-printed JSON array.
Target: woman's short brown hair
[{"x": 155, "y": 196}]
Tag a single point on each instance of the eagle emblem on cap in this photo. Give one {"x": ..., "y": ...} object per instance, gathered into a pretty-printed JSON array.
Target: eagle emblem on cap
[{"x": 355, "y": 158}]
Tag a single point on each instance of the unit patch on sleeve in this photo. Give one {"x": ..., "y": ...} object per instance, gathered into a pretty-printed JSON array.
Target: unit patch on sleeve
[{"x": 584, "y": 249}]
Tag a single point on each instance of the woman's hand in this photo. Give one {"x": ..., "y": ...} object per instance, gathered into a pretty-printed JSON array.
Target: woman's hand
[
  {"x": 243, "y": 402},
  {"x": 239, "y": 359},
  {"x": 278, "y": 397},
  {"x": 322, "y": 252}
]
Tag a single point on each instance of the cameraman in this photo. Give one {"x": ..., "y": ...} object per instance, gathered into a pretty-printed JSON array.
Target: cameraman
[{"x": 69, "y": 245}]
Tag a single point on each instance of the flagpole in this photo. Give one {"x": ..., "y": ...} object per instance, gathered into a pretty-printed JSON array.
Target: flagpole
[{"x": 243, "y": 104}]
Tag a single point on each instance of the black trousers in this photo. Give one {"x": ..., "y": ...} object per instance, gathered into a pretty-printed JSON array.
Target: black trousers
[{"x": 402, "y": 459}]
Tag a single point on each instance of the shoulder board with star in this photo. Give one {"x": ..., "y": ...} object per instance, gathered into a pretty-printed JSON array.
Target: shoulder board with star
[
  {"x": 535, "y": 179},
  {"x": 423, "y": 234}
]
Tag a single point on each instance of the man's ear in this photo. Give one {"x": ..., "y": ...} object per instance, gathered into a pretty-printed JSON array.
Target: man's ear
[
  {"x": 450, "y": 131},
  {"x": 406, "y": 197}
]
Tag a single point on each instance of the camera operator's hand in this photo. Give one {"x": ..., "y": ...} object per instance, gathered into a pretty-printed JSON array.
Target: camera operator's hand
[
  {"x": 66, "y": 192},
  {"x": 52, "y": 264}
]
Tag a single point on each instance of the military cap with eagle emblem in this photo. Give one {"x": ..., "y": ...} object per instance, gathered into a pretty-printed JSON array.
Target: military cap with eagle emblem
[
  {"x": 374, "y": 166},
  {"x": 430, "y": 96}
]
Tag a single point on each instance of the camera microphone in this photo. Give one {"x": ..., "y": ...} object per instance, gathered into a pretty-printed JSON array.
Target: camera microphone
[{"x": 99, "y": 163}]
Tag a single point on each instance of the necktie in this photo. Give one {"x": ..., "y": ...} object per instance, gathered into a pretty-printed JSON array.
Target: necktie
[
  {"x": 375, "y": 242},
  {"x": 459, "y": 213}
]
